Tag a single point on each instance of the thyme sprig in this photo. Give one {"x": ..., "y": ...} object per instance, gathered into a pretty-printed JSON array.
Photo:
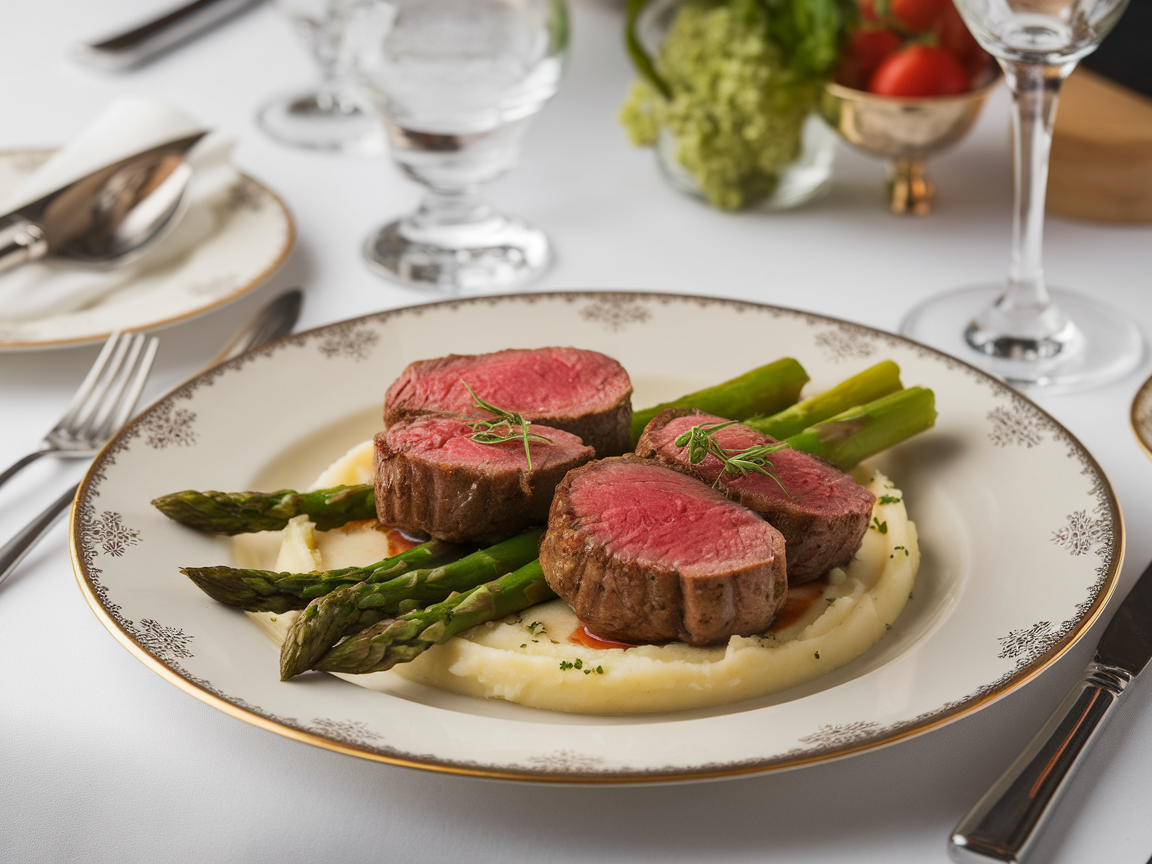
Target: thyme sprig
[
  {"x": 701, "y": 443},
  {"x": 506, "y": 426}
]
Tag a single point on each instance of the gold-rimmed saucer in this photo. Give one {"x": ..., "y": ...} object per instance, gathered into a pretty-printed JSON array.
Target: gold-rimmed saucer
[{"x": 1141, "y": 417}]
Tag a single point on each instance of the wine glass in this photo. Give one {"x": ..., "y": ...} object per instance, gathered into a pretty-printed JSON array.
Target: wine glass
[
  {"x": 326, "y": 117},
  {"x": 457, "y": 82},
  {"x": 1023, "y": 331}
]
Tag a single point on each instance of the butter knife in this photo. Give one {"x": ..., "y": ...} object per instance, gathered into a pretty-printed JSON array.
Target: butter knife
[
  {"x": 142, "y": 42},
  {"x": 1005, "y": 823}
]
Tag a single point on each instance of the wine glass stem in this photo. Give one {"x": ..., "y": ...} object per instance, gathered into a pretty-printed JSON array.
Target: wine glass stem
[
  {"x": 1035, "y": 92},
  {"x": 322, "y": 41}
]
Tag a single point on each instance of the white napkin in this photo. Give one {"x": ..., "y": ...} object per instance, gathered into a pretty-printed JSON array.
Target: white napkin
[{"x": 129, "y": 125}]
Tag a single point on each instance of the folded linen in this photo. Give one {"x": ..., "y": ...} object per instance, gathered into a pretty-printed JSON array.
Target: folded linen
[{"x": 129, "y": 125}]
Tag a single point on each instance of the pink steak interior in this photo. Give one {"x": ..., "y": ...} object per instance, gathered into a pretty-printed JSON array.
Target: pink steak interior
[{"x": 656, "y": 516}]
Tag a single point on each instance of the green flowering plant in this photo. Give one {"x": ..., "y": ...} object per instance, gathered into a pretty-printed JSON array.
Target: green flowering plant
[{"x": 733, "y": 81}]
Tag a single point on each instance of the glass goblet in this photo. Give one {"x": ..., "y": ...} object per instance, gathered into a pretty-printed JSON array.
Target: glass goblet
[
  {"x": 457, "y": 82},
  {"x": 1024, "y": 332},
  {"x": 326, "y": 117}
]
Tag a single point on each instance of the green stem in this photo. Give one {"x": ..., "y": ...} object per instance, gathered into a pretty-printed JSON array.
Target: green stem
[{"x": 636, "y": 51}]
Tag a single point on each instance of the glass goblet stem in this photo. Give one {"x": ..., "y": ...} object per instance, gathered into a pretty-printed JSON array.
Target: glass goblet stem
[
  {"x": 322, "y": 40},
  {"x": 1024, "y": 324},
  {"x": 463, "y": 206}
]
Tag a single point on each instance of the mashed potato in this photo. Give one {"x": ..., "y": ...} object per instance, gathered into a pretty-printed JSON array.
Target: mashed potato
[{"x": 529, "y": 658}]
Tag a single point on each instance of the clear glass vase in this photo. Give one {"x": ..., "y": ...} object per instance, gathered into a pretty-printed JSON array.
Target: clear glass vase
[
  {"x": 788, "y": 155},
  {"x": 806, "y": 177}
]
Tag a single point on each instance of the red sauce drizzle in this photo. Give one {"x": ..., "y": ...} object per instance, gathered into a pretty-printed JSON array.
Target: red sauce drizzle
[
  {"x": 799, "y": 601},
  {"x": 583, "y": 636},
  {"x": 399, "y": 542}
]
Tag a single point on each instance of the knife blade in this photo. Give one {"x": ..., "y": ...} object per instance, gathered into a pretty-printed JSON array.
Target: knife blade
[
  {"x": 85, "y": 217},
  {"x": 1004, "y": 824}
]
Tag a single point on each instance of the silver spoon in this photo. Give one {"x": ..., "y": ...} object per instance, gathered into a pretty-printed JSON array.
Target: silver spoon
[{"x": 107, "y": 218}]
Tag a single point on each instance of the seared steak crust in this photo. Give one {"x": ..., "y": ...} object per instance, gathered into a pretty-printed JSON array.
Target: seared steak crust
[
  {"x": 821, "y": 511},
  {"x": 583, "y": 392},
  {"x": 645, "y": 554},
  {"x": 431, "y": 477}
]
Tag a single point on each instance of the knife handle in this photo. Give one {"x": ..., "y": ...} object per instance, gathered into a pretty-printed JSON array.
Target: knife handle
[
  {"x": 1005, "y": 822},
  {"x": 146, "y": 40},
  {"x": 13, "y": 552},
  {"x": 20, "y": 241}
]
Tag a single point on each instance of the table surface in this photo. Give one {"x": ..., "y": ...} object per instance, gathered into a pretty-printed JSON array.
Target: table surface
[{"x": 102, "y": 760}]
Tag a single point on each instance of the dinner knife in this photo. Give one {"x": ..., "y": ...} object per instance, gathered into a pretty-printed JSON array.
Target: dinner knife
[
  {"x": 144, "y": 41},
  {"x": 273, "y": 320},
  {"x": 1005, "y": 823},
  {"x": 102, "y": 217}
]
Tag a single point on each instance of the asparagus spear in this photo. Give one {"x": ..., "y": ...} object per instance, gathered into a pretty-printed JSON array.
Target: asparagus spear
[
  {"x": 854, "y": 435},
  {"x": 267, "y": 591},
  {"x": 244, "y": 512},
  {"x": 765, "y": 390},
  {"x": 400, "y": 640},
  {"x": 871, "y": 384},
  {"x": 347, "y": 610}
]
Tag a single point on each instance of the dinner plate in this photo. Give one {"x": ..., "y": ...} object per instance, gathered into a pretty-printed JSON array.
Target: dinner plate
[
  {"x": 1020, "y": 532},
  {"x": 254, "y": 239}
]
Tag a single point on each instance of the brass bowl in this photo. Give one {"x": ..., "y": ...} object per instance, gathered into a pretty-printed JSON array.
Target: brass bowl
[{"x": 905, "y": 132}]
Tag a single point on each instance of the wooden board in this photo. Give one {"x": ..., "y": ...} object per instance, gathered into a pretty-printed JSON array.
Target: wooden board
[{"x": 1101, "y": 166}]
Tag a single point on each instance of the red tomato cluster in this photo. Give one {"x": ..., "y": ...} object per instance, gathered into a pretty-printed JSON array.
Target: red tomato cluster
[{"x": 911, "y": 48}]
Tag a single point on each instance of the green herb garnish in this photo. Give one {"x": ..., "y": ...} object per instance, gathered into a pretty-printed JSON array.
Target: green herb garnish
[
  {"x": 701, "y": 443},
  {"x": 507, "y": 426},
  {"x": 889, "y": 499}
]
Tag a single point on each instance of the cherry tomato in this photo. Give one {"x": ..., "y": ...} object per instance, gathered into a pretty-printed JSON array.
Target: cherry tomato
[
  {"x": 869, "y": 47},
  {"x": 955, "y": 38},
  {"x": 919, "y": 70},
  {"x": 918, "y": 16}
]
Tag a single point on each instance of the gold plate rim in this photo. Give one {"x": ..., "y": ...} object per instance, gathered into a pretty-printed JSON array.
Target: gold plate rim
[{"x": 915, "y": 728}]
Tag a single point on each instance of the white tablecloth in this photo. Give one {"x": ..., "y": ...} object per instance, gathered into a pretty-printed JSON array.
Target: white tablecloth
[{"x": 102, "y": 760}]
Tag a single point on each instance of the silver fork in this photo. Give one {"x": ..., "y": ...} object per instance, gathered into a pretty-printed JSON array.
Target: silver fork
[
  {"x": 104, "y": 410},
  {"x": 272, "y": 321},
  {"x": 103, "y": 403}
]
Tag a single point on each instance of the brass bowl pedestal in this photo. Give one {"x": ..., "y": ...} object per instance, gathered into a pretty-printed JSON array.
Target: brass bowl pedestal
[{"x": 905, "y": 132}]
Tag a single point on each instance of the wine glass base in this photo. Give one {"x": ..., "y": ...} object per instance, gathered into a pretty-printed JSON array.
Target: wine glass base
[
  {"x": 314, "y": 122},
  {"x": 499, "y": 254},
  {"x": 1109, "y": 344}
]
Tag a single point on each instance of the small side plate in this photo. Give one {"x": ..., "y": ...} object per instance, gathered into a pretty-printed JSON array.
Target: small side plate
[{"x": 256, "y": 236}]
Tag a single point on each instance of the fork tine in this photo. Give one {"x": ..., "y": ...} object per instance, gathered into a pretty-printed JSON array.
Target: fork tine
[
  {"x": 99, "y": 425},
  {"x": 85, "y": 419},
  {"x": 80, "y": 398},
  {"x": 107, "y": 392},
  {"x": 134, "y": 386}
]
